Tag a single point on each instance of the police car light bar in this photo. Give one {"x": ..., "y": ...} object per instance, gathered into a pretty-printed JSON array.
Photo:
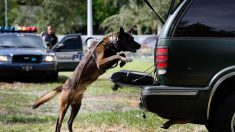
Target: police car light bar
[{"x": 4, "y": 29}]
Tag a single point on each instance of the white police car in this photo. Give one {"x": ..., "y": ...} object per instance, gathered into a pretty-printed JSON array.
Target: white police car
[
  {"x": 69, "y": 52},
  {"x": 24, "y": 54}
]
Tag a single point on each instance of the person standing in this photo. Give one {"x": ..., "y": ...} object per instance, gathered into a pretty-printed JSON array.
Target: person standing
[{"x": 50, "y": 37}]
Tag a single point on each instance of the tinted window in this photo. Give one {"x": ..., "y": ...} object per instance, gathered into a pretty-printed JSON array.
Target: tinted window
[
  {"x": 21, "y": 41},
  {"x": 70, "y": 44},
  {"x": 208, "y": 18}
]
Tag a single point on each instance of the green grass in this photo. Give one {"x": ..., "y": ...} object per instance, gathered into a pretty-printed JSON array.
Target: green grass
[{"x": 102, "y": 109}]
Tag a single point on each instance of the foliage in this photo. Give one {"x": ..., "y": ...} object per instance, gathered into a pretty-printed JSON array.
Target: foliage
[
  {"x": 42, "y": 13},
  {"x": 136, "y": 14},
  {"x": 11, "y": 15},
  {"x": 70, "y": 16},
  {"x": 102, "y": 10},
  {"x": 26, "y": 15},
  {"x": 127, "y": 17},
  {"x": 60, "y": 14}
]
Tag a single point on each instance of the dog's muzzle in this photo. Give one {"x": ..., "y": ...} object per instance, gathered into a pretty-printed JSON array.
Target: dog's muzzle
[{"x": 137, "y": 46}]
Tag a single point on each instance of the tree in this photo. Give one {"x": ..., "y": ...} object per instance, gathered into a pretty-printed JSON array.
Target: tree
[
  {"x": 63, "y": 15},
  {"x": 126, "y": 17},
  {"x": 136, "y": 14},
  {"x": 24, "y": 15},
  {"x": 70, "y": 16},
  {"x": 11, "y": 5}
]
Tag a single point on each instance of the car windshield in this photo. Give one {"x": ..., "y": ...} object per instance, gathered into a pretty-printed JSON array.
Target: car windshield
[{"x": 21, "y": 41}]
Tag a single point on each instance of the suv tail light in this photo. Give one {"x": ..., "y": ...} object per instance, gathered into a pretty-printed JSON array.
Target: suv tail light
[{"x": 161, "y": 59}]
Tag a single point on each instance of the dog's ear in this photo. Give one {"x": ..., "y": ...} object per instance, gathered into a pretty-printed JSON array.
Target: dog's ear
[
  {"x": 130, "y": 30},
  {"x": 121, "y": 30}
]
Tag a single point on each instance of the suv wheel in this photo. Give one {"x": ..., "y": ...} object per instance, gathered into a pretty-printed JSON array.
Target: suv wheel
[
  {"x": 209, "y": 126},
  {"x": 225, "y": 117}
]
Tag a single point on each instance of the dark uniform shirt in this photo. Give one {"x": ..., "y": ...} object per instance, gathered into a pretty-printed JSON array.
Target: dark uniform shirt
[{"x": 50, "y": 39}]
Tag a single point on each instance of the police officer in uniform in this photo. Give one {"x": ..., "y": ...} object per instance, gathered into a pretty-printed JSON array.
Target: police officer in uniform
[{"x": 50, "y": 37}]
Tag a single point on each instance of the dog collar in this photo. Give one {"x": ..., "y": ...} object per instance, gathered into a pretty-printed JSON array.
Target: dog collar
[{"x": 110, "y": 40}]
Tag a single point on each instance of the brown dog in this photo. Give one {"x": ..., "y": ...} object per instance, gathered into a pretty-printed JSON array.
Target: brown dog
[{"x": 101, "y": 57}]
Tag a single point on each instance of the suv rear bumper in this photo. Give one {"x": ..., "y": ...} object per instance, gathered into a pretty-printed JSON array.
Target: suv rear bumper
[{"x": 176, "y": 102}]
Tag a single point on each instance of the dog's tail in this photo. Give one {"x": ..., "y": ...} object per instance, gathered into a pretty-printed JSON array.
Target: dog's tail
[{"x": 48, "y": 96}]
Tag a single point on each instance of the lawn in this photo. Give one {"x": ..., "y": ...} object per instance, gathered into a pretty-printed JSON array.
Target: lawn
[{"x": 102, "y": 109}]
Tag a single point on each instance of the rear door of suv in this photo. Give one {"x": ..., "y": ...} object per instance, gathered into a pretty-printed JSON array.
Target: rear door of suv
[{"x": 200, "y": 42}]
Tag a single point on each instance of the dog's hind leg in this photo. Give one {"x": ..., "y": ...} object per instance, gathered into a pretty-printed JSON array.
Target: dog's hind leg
[
  {"x": 75, "y": 109},
  {"x": 63, "y": 109}
]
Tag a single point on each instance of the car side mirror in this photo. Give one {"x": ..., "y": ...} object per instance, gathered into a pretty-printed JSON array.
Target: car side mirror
[
  {"x": 57, "y": 47},
  {"x": 60, "y": 46}
]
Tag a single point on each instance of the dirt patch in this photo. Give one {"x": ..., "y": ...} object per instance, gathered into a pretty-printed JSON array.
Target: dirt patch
[
  {"x": 14, "y": 85},
  {"x": 109, "y": 102},
  {"x": 105, "y": 128},
  {"x": 123, "y": 128}
]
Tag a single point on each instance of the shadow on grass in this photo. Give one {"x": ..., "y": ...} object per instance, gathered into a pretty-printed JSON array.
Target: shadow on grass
[
  {"x": 26, "y": 118},
  {"x": 40, "y": 80}
]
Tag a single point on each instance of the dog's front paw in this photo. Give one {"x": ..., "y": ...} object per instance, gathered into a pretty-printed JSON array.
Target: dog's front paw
[
  {"x": 122, "y": 63},
  {"x": 129, "y": 60}
]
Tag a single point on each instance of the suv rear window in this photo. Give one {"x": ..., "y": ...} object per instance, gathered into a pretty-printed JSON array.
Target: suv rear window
[{"x": 208, "y": 18}]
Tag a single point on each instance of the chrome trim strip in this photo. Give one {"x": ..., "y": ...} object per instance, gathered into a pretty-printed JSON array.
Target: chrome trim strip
[
  {"x": 220, "y": 72},
  {"x": 216, "y": 86},
  {"x": 233, "y": 123},
  {"x": 166, "y": 88},
  {"x": 169, "y": 92}
]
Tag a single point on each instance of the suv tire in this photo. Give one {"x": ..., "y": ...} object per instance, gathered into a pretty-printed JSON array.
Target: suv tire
[
  {"x": 225, "y": 116},
  {"x": 209, "y": 126}
]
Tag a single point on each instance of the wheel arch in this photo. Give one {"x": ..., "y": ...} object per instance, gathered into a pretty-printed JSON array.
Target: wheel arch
[{"x": 220, "y": 87}]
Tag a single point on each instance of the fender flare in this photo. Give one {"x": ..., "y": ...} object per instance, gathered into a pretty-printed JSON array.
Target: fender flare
[{"x": 215, "y": 82}]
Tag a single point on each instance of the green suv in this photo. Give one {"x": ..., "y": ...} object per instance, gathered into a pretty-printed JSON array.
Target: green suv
[{"x": 195, "y": 62}]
